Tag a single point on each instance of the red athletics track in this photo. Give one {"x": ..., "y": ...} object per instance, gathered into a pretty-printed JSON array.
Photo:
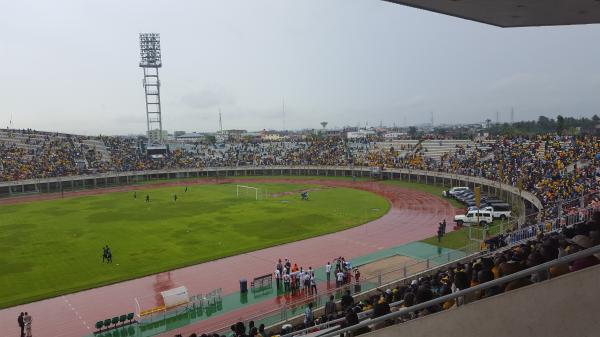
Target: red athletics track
[{"x": 414, "y": 215}]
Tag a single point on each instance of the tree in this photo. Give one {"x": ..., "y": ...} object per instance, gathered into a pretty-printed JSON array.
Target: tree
[
  {"x": 210, "y": 139},
  {"x": 560, "y": 124},
  {"x": 412, "y": 132}
]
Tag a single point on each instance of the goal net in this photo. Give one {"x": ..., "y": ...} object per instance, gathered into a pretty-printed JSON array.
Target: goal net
[{"x": 247, "y": 192}]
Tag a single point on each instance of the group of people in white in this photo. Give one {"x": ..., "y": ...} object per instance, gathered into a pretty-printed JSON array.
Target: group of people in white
[
  {"x": 342, "y": 271},
  {"x": 295, "y": 279}
]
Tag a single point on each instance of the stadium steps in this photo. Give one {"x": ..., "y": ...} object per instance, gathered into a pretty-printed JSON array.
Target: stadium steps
[
  {"x": 99, "y": 146},
  {"x": 435, "y": 149},
  {"x": 564, "y": 306}
]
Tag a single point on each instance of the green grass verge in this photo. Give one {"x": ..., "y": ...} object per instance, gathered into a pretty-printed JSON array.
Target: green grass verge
[
  {"x": 460, "y": 238},
  {"x": 54, "y": 247}
]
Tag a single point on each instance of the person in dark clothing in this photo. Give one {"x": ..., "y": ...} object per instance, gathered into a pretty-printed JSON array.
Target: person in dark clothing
[
  {"x": 444, "y": 227},
  {"x": 351, "y": 317},
  {"x": 381, "y": 308},
  {"x": 440, "y": 233},
  {"x": 347, "y": 300},
  {"x": 175, "y": 197},
  {"x": 261, "y": 331},
  {"x": 135, "y": 195},
  {"x": 240, "y": 329},
  {"x": 185, "y": 189},
  {"x": 21, "y": 323},
  {"x": 147, "y": 197},
  {"x": 104, "y": 253},
  {"x": 108, "y": 255},
  {"x": 330, "y": 308}
]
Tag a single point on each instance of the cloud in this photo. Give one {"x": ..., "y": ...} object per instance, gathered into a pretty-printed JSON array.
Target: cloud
[{"x": 207, "y": 98}]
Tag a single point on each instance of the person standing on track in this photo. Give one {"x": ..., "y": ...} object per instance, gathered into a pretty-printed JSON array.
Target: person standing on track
[
  {"x": 21, "y": 323},
  {"x": 277, "y": 277},
  {"x": 313, "y": 284},
  {"x": 27, "y": 323},
  {"x": 286, "y": 282},
  {"x": 444, "y": 227}
]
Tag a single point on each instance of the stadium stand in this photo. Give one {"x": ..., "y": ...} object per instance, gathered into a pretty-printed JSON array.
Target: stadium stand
[{"x": 552, "y": 167}]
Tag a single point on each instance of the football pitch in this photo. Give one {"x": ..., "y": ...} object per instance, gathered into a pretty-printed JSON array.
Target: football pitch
[{"x": 55, "y": 247}]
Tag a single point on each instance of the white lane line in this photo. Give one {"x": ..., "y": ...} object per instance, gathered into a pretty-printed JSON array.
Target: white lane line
[{"x": 76, "y": 313}]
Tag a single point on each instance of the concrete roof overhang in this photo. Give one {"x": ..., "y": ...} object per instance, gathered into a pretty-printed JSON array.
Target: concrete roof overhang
[{"x": 514, "y": 13}]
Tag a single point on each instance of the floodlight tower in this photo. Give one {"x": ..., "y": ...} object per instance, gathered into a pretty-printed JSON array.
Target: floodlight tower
[{"x": 150, "y": 61}]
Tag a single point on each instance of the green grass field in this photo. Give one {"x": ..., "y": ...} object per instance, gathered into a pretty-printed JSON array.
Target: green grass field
[{"x": 54, "y": 247}]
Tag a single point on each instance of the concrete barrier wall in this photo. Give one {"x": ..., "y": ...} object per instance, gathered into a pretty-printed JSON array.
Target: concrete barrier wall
[
  {"x": 565, "y": 306},
  {"x": 518, "y": 198}
]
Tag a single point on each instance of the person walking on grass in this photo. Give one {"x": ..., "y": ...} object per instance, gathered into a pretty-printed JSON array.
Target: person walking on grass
[
  {"x": 104, "y": 253},
  {"x": 175, "y": 197},
  {"x": 134, "y": 194},
  {"x": 147, "y": 197},
  {"x": 108, "y": 255}
]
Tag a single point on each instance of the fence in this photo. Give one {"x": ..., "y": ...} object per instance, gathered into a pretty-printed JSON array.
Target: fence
[
  {"x": 292, "y": 309},
  {"x": 463, "y": 293}
]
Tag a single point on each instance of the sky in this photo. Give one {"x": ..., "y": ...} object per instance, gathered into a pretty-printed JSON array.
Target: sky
[{"x": 72, "y": 66}]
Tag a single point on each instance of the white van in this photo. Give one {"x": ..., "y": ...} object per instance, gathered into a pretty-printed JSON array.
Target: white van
[
  {"x": 480, "y": 217},
  {"x": 454, "y": 190}
]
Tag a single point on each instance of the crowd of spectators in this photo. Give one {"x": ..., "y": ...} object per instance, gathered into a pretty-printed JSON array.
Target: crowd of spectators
[
  {"x": 28, "y": 154},
  {"x": 550, "y": 166}
]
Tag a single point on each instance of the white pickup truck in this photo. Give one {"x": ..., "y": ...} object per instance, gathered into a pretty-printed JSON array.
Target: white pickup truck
[
  {"x": 480, "y": 217},
  {"x": 498, "y": 211}
]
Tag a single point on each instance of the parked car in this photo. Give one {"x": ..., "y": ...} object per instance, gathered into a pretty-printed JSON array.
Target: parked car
[{"x": 451, "y": 192}]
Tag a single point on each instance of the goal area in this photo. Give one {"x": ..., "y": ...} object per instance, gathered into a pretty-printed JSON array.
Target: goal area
[{"x": 248, "y": 192}]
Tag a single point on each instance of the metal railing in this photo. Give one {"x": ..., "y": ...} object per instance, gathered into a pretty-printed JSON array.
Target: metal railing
[
  {"x": 497, "y": 282},
  {"x": 289, "y": 311},
  {"x": 521, "y": 235}
]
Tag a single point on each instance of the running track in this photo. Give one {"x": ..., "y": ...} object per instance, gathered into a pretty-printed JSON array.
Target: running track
[{"x": 414, "y": 215}]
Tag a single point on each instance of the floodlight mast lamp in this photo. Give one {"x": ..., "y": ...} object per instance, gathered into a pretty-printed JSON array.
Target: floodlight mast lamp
[{"x": 150, "y": 61}]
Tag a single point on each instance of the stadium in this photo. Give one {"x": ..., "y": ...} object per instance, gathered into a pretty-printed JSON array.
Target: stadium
[{"x": 382, "y": 231}]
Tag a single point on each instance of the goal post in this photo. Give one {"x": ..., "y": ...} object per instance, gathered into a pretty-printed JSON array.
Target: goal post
[{"x": 242, "y": 190}]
